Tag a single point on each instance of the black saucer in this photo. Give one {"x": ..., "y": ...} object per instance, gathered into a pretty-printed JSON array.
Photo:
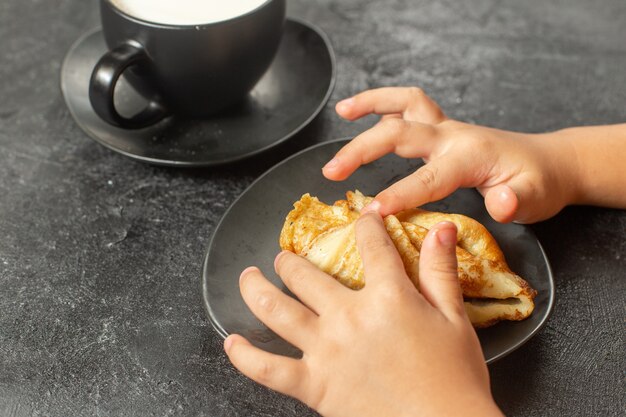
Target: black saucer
[
  {"x": 248, "y": 235},
  {"x": 292, "y": 92}
]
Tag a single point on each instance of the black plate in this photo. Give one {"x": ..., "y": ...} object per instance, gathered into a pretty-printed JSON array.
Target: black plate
[
  {"x": 292, "y": 92},
  {"x": 248, "y": 235}
]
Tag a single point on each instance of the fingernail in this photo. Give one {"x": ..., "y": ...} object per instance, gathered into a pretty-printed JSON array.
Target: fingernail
[
  {"x": 345, "y": 104},
  {"x": 280, "y": 255},
  {"x": 228, "y": 342},
  {"x": 374, "y": 206},
  {"x": 332, "y": 164},
  {"x": 446, "y": 234},
  {"x": 504, "y": 195},
  {"x": 246, "y": 272}
]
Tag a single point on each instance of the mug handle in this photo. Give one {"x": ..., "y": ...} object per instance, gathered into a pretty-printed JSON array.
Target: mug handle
[{"x": 102, "y": 87}]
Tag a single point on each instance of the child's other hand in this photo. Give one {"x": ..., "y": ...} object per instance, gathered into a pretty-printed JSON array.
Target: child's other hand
[
  {"x": 523, "y": 177},
  {"x": 386, "y": 350}
]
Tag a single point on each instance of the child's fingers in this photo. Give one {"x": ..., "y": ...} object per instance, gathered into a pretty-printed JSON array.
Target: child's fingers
[
  {"x": 406, "y": 139},
  {"x": 436, "y": 180},
  {"x": 526, "y": 202},
  {"x": 389, "y": 100},
  {"x": 289, "y": 318},
  {"x": 277, "y": 372},
  {"x": 501, "y": 203},
  {"x": 390, "y": 116},
  {"x": 439, "y": 280},
  {"x": 314, "y": 288},
  {"x": 381, "y": 261}
]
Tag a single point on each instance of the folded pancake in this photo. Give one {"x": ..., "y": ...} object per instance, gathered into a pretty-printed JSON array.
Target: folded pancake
[{"x": 325, "y": 235}]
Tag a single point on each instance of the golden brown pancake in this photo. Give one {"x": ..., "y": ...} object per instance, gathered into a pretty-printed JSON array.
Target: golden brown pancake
[{"x": 325, "y": 236}]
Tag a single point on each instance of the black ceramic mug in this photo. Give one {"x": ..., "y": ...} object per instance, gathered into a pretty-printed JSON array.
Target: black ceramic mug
[{"x": 189, "y": 70}]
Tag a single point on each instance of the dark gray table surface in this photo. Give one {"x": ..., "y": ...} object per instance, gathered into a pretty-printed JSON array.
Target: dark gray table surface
[{"x": 100, "y": 257}]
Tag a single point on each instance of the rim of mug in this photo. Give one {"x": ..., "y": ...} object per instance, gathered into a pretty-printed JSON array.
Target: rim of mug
[{"x": 130, "y": 17}]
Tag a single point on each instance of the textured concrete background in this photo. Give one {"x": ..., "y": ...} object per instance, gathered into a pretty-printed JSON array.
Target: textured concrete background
[{"x": 100, "y": 256}]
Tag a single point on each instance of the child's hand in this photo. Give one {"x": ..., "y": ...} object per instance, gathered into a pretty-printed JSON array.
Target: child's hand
[
  {"x": 523, "y": 177},
  {"x": 385, "y": 350}
]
